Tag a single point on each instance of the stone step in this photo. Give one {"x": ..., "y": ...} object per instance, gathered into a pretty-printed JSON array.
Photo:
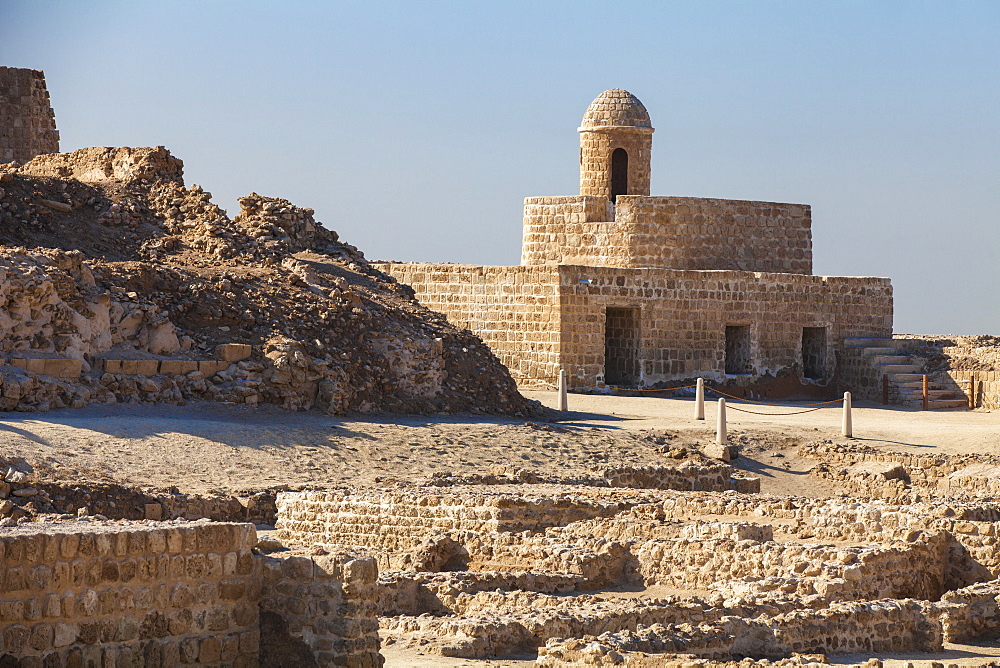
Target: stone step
[
  {"x": 865, "y": 342},
  {"x": 900, "y": 378},
  {"x": 910, "y": 386},
  {"x": 900, "y": 368},
  {"x": 948, "y": 403},
  {"x": 918, "y": 393},
  {"x": 874, "y": 351},
  {"x": 890, "y": 359},
  {"x": 936, "y": 403},
  {"x": 901, "y": 343}
]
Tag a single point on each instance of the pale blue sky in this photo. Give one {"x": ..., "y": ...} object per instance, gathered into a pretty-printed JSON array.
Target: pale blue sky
[{"x": 415, "y": 129}]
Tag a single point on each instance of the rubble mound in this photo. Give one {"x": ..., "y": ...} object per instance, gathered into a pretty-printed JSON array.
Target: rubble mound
[
  {"x": 123, "y": 284},
  {"x": 954, "y": 352}
]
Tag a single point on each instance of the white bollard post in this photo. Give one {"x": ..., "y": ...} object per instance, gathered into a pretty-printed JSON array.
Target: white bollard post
[
  {"x": 848, "y": 429},
  {"x": 699, "y": 400},
  {"x": 563, "y": 400},
  {"x": 721, "y": 437}
]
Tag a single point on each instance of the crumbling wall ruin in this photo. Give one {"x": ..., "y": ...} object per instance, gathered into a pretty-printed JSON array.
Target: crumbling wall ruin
[
  {"x": 321, "y": 607},
  {"x": 493, "y": 571},
  {"x": 29, "y": 124}
]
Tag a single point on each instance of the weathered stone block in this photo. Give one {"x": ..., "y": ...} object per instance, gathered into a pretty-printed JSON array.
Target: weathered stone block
[
  {"x": 233, "y": 352},
  {"x": 63, "y": 368},
  {"x": 178, "y": 366}
]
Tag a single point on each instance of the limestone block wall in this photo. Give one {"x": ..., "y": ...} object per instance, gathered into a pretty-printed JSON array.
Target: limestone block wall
[
  {"x": 403, "y": 520},
  {"x": 173, "y": 594},
  {"x": 322, "y": 607},
  {"x": 669, "y": 232},
  {"x": 859, "y": 376},
  {"x": 842, "y": 628},
  {"x": 596, "y": 147},
  {"x": 973, "y": 526},
  {"x": 27, "y": 122},
  {"x": 573, "y": 230},
  {"x": 514, "y": 310},
  {"x": 687, "y": 476},
  {"x": 912, "y": 570},
  {"x": 698, "y": 233},
  {"x": 542, "y": 318},
  {"x": 683, "y": 317}
]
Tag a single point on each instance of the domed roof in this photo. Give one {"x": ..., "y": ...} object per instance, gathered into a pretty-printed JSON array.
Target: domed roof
[{"x": 616, "y": 108}]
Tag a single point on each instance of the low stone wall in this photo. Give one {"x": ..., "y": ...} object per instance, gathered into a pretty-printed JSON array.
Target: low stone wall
[
  {"x": 395, "y": 521},
  {"x": 911, "y": 570},
  {"x": 26, "y": 494},
  {"x": 78, "y": 593},
  {"x": 687, "y": 476},
  {"x": 843, "y": 628},
  {"x": 973, "y": 525},
  {"x": 320, "y": 607}
]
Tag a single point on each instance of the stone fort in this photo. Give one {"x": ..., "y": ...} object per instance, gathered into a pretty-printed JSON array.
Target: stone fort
[{"x": 622, "y": 288}]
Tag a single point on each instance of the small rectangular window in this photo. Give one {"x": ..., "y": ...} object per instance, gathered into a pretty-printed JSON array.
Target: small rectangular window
[
  {"x": 813, "y": 352},
  {"x": 738, "y": 349}
]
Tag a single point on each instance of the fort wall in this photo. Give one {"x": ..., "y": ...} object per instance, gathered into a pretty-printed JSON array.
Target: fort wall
[
  {"x": 538, "y": 319},
  {"x": 697, "y": 233},
  {"x": 514, "y": 310},
  {"x": 29, "y": 124},
  {"x": 684, "y": 315},
  {"x": 670, "y": 232}
]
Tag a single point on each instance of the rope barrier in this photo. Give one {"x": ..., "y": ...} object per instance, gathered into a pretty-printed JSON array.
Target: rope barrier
[
  {"x": 770, "y": 403},
  {"x": 743, "y": 410},
  {"x": 815, "y": 406}
]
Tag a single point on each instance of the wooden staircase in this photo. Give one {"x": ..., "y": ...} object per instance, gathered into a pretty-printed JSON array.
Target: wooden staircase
[{"x": 905, "y": 377}]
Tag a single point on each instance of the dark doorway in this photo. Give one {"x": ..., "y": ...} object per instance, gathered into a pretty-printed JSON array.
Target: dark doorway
[
  {"x": 619, "y": 173},
  {"x": 621, "y": 346},
  {"x": 813, "y": 352},
  {"x": 738, "y": 349}
]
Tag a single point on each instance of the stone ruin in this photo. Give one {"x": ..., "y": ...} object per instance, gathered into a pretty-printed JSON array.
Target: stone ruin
[
  {"x": 28, "y": 125},
  {"x": 680, "y": 565},
  {"x": 620, "y": 288},
  {"x": 121, "y": 284},
  {"x": 646, "y": 576}
]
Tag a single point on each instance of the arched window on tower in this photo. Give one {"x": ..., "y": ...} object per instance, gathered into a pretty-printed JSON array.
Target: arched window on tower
[{"x": 619, "y": 173}]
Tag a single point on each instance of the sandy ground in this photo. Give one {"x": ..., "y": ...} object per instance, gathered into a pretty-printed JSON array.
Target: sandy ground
[{"x": 230, "y": 448}]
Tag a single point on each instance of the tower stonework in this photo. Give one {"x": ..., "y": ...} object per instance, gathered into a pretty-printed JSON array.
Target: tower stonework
[
  {"x": 27, "y": 122},
  {"x": 616, "y": 141}
]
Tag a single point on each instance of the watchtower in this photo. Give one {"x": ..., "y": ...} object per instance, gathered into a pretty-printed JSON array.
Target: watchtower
[{"x": 616, "y": 140}]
